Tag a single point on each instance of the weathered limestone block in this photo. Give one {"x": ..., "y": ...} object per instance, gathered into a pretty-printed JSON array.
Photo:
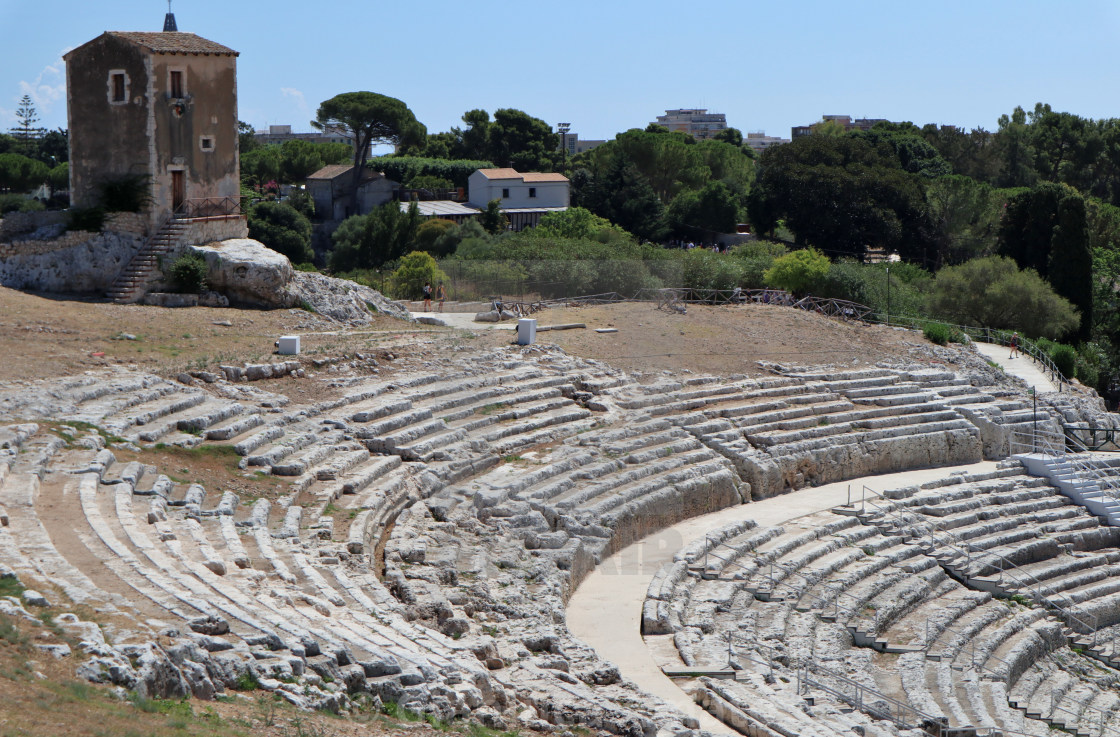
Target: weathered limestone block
[{"x": 248, "y": 273}]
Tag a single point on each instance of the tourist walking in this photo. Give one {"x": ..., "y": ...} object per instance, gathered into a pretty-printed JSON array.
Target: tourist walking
[
  {"x": 427, "y": 296},
  {"x": 441, "y": 295},
  {"x": 1014, "y": 345}
]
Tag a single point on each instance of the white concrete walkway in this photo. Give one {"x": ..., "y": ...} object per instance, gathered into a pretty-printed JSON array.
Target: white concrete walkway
[
  {"x": 1025, "y": 367},
  {"x": 606, "y": 610},
  {"x": 465, "y": 321}
]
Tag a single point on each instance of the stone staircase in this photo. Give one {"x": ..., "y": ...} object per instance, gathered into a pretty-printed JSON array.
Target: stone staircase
[
  {"x": 129, "y": 285},
  {"x": 1076, "y": 481}
]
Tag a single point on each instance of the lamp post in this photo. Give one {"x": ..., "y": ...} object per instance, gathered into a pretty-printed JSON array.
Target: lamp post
[{"x": 888, "y": 296}]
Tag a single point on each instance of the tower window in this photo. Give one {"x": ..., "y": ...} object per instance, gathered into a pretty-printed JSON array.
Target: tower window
[
  {"x": 176, "y": 84},
  {"x": 206, "y": 143},
  {"x": 118, "y": 87}
]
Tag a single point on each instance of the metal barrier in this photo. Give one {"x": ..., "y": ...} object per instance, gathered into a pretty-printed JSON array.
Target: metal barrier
[{"x": 209, "y": 207}]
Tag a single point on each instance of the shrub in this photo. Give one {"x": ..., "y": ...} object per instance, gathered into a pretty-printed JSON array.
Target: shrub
[
  {"x": 128, "y": 193},
  {"x": 1089, "y": 362},
  {"x": 431, "y": 237},
  {"x": 1065, "y": 358},
  {"x": 18, "y": 203},
  {"x": 188, "y": 273},
  {"x": 416, "y": 269},
  {"x": 799, "y": 271},
  {"x": 91, "y": 219},
  {"x": 936, "y": 332},
  {"x": 282, "y": 228},
  {"x": 704, "y": 269},
  {"x": 993, "y": 292}
]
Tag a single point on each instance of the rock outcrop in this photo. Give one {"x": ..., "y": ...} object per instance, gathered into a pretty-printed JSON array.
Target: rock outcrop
[{"x": 248, "y": 273}]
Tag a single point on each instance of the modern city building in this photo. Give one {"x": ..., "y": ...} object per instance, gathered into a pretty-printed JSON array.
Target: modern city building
[
  {"x": 759, "y": 141},
  {"x": 696, "y": 122},
  {"x": 844, "y": 121},
  {"x": 571, "y": 144},
  {"x": 282, "y": 133}
]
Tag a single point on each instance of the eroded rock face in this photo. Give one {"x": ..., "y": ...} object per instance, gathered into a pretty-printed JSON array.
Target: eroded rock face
[
  {"x": 253, "y": 275},
  {"x": 248, "y": 273},
  {"x": 343, "y": 300}
]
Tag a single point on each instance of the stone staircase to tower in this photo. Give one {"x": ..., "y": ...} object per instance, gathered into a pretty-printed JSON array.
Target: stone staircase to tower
[{"x": 130, "y": 283}]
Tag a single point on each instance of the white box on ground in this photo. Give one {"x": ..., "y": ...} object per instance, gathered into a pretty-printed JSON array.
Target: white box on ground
[
  {"x": 288, "y": 345},
  {"x": 526, "y": 331}
]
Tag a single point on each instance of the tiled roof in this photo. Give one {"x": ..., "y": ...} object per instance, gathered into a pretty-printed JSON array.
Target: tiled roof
[
  {"x": 331, "y": 171},
  {"x": 527, "y": 177},
  {"x": 543, "y": 177},
  {"x": 499, "y": 173},
  {"x": 173, "y": 42}
]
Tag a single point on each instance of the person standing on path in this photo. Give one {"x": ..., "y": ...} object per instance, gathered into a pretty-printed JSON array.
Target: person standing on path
[
  {"x": 1014, "y": 345},
  {"x": 427, "y": 296},
  {"x": 441, "y": 295}
]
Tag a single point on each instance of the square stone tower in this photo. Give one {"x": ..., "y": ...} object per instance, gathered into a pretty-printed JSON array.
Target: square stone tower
[{"x": 161, "y": 105}]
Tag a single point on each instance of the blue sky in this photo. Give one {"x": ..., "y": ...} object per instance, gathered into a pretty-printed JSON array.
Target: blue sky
[{"x": 605, "y": 67}]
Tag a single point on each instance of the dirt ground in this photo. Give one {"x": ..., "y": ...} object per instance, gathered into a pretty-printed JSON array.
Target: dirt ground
[{"x": 45, "y": 337}]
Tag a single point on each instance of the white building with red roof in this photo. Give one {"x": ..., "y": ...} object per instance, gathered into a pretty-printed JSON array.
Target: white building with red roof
[{"x": 524, "y": 197}]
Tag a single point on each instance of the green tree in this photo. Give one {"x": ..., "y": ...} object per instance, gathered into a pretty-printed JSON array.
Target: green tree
[
  {"x": 965, "y": 215},
  {"x": 492, "y": 220},
  {"x": 799, "y": 271},
  {"x": 283, "y": 229},
  {"x": 713, "y": 209},
  {"x": 299, "y": 160},
  {"x": 729, "y": 135},
  {"x": 578, "y": 222},
  {"x": 431, "y": 237},
  {"x": 844, "y": 194},
  {"x": 369, "y": 118},
  {"x": 25, "y": 132},
  {"x": 1015, "y": 153},
  {"x": 415, "y": 270},
  {"x": 993, "y": 292},
  {"x": 1070, "y": 270},
  {"x": 261, "y": 165},
  {"x": 915, "y": 155},
  {"x": 623, "y": 196},
  {"x": 246, "y": 141},
  {"x": 474, "y": 140},
  {"x": 368, "y": 241},
  {"x": 519, "y": 140},
  {"x": 59, "y": 177},
  {"x": 54, "y": 147},
  {"x": 19, "y": 173}
]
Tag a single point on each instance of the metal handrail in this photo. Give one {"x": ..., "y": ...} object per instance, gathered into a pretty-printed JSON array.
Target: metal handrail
[
  {"x": 1007, "y": 567},
  {"x": 206, "y": 207},
  {"x": 1107, "y": 486}
]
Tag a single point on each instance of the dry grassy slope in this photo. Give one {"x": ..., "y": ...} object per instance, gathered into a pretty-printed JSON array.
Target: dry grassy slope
[{"x": 44, "y": 337}]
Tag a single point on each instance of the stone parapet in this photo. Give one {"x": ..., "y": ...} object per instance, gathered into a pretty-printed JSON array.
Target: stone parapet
[{"x": 210, "y": 230}]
